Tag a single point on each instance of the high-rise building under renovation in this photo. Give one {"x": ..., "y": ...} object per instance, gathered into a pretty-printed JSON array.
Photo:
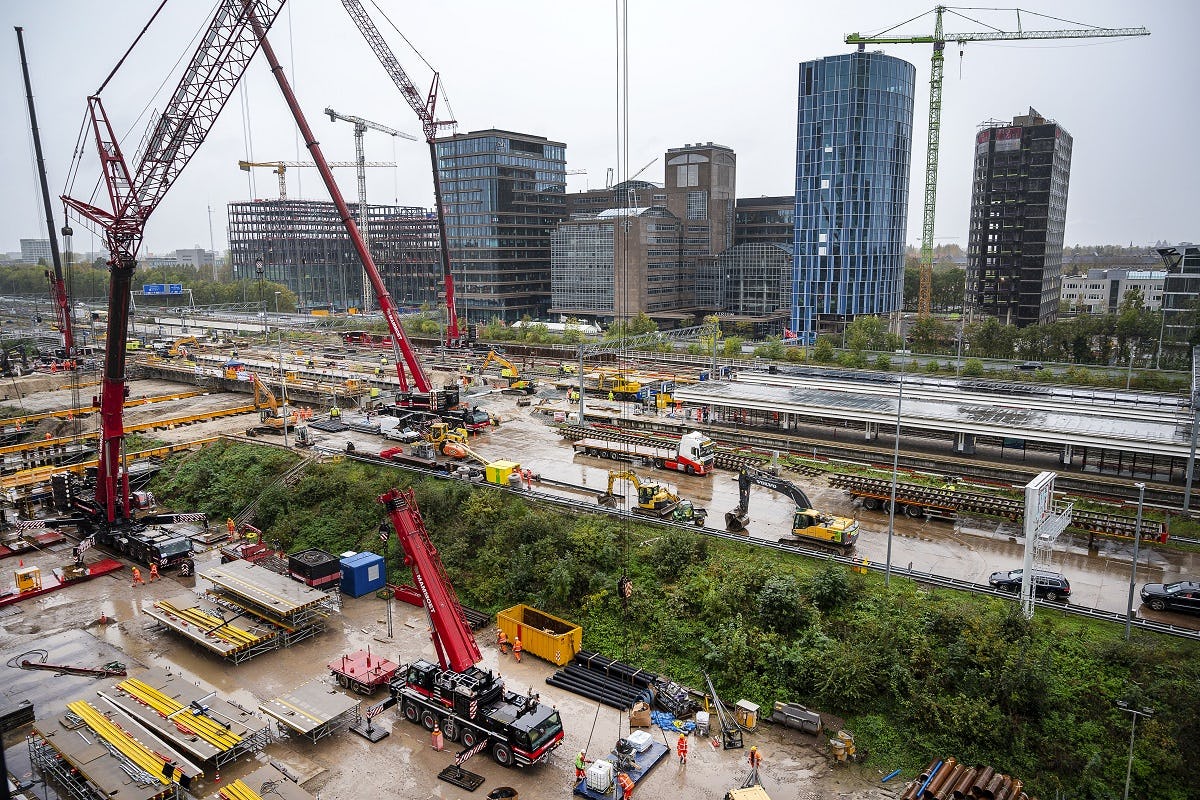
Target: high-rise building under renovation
[
  {"x": 853, "y": 146},
  {"x": 303, "y": 245},
  {"x": 503, "y": 193},
  {"x": 1018, "y": 218}
]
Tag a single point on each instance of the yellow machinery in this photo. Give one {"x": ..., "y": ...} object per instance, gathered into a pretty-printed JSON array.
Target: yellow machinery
[
  {"x": 440, "y": 434},
  {"x": 274, "y": 417},
  {"x": 653, "y": 499},
  {"x": 178, "y": 348},
  {"x": 516, "y": 384},
  {"x": 808, "y": 525},
  {"x": 29, "y": 579},
  {"x": 619, "y": 384}
]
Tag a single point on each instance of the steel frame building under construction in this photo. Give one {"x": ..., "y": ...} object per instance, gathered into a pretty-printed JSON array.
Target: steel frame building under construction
[{"x": 303, "y": 245}]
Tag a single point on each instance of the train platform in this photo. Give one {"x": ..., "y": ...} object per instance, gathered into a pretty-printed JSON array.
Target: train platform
[
  {"x": 206, "y": 727},
  {"x": 266, "y": 781},
  {"x": 211, "y": 627},
  {"x": 313, "y": 710}
]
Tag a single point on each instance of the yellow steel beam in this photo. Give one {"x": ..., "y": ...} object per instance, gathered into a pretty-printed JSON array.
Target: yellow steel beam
[
  {"x": 143, "y": 426},
  {"x": 26, "y": 477},
  {"x": 129, "y": 747},
  {"x": 206, "y": 728},
  {"x": 67, "y": 413}
]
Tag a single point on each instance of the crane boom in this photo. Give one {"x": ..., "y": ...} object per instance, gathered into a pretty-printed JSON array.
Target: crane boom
[
  {"x": 405, "y": 355},
  {"x": 224, "y": 52},
  {"x": 424, "y": 109},
  {"x": 939, "y": 40},
  {"x": 366, "y": 123},
  {"x": 452, "y": 638},
  {"x": 58, "y": 287}
]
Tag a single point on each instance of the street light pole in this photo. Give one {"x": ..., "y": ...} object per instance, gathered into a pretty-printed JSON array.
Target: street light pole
[
  {"x": 1135, "y": 712},
  {"x": 887, "y": 574},
  {"x": 1137, "y": 539},
  {"x": 283, "y": 386},
  {"x": 262, "y": 301}
]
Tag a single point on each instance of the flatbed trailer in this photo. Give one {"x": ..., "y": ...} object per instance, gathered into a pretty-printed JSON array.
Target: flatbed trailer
[
  {"x": 917, "y": 500},
  {"x": 693, "y": 454}
]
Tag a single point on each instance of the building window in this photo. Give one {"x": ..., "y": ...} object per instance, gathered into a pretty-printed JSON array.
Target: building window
[
  {"x": 687, "y": 175},
  {"x": 697, "y": 205}
]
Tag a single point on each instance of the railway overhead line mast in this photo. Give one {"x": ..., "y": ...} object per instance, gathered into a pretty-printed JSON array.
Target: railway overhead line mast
[{"x": 939, "y": 39}]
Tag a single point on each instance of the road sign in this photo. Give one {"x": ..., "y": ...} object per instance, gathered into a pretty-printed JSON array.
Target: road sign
[
  {"x": 174, "y": 288},
  {"x": 154, "y": 288}
]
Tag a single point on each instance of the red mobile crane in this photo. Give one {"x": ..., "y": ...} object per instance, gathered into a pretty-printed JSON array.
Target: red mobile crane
[
  {"x": 224, "y": 52},
  {"x": 469, "y": 704},
  {"x": 425, "y": 395},
  {"x": 424, "y": 108}
]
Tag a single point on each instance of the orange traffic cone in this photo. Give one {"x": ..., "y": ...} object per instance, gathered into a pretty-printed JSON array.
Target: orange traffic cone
[{"x": 217, "y": 777}]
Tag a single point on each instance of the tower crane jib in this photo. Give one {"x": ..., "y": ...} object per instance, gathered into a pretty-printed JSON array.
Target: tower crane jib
[{"x": 939, "y": 39}]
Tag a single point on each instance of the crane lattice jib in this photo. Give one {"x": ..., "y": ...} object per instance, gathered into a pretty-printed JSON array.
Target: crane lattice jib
[
  {"x": 939, "y": 40},
  {"x": 452, "y": 638},
  {"x": 424, "y": 109},
  {"x": 221, "y": 57},
  {"x": 405, "y": 355}
]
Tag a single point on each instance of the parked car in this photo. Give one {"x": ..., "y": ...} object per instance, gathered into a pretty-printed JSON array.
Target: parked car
[
  {"x": 1050, "y": 585},
  {"x": 1181, "y": 596},
  {"x": 399, "y": 434},
  {"x": 1030, "y": 366}
]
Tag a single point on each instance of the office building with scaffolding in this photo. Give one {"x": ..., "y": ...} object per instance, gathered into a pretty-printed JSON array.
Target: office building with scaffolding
[{"x": 303, "y": 245}]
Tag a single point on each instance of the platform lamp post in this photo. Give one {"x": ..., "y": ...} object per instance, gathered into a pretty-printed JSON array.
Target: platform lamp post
[
  {"x": 262, "y": 302},
  {"x": 1137, "y": 540},
  {"x": 887, "y": 574},
  {"x": 1135, "y": 712}
]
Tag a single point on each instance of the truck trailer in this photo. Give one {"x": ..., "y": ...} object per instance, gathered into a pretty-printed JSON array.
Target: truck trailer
[{"x": 694, "y": 454}]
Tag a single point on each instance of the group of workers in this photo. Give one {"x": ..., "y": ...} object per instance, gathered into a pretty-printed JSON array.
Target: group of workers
[
  {"x": 137, "y": 575},
  {"x": 754, "y": 758},
  {"x": 502, "y": 644}
]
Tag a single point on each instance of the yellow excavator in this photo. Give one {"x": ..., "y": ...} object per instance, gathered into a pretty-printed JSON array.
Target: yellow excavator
[
  {"x": 274, "y": 417},
  {"x": 653, "y": 499},
  {"x": 516, "y": 384},
  {"x": 809, "y": 526},
  {"x": 445, "y": 439}
]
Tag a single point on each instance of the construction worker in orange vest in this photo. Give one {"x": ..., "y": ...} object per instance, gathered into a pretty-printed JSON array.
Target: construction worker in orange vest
[
  {"x": 154, "y": 572},
  {"x": 755, "y": 758},
  {"x": 137, "y": 577},
  {"x": 502, "y": 641},
  {"x": 681, "y": 747},
  {"x": 517, "y": 649},
  {"x": 626, "y": 783}
]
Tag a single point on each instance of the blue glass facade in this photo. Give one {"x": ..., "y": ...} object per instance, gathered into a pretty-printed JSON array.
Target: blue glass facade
[
  {"x": 503, "y": 193},
  {"x": 853, "y": 146}
]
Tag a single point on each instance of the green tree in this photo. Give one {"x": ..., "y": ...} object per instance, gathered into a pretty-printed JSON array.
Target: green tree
[
  {"x": 972, "y": 368},
  {"x": 823, "y": 353},
  {"x": 867, "y": 333},
  {"x": 772, "y": 348}
]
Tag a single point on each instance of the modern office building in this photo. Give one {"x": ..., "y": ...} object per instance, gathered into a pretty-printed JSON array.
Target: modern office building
[
  {"x": 627, "y": 194},
  {"x": 749, "y": 285},
  {"x": 1180, "y": 305},
  {"x": 1101, "y": 291},
  {"x": 1018, "y": 218},
  {"x": 853, "y": 146},
  {"x": 502, "y": 193},
  {"x": 619, "y": 263},
  {"x": 303, "y": 244},
  {"x": 765, "y": 219},
  {"x": 32, "y": 250}
]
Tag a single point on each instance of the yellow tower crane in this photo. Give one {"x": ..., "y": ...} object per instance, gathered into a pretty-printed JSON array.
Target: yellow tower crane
[
  {"x": 938, "y": 40},
  {"x": 280, "y": 168}
]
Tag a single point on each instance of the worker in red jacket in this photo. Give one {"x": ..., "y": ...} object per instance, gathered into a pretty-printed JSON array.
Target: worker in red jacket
[{"x": 681, "y": 747}]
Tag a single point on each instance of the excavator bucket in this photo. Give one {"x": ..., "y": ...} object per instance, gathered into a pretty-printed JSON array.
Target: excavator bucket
[{"x": 736, "y": 521}]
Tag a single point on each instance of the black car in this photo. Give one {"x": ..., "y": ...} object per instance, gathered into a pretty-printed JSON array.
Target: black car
[
  {"x": 1181, "y": 596},
  {"x": 1050, "y": 585}
]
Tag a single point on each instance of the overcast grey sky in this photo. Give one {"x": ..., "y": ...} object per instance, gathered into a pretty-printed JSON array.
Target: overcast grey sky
[{"x": 700, "y": 71}]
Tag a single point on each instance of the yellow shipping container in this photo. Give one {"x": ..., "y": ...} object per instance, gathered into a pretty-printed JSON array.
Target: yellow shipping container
[
  {"x": 544, "y": 635},
  {"x": 497, "y": 472}
]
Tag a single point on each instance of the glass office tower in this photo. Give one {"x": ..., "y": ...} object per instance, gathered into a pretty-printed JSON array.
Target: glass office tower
[
  {"x": 503, "y": 193},
  {"x": 853, "y": 144}
]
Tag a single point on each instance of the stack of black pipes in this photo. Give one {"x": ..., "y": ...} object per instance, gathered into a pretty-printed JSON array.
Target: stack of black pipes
[{"x": 605, "y": 680}]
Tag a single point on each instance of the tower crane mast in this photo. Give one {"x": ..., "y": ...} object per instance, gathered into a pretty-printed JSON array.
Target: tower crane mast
[
  {"x": 361, "y": 126},
  {"x": 223, "y": 53},
  {"x": 424, "y": 108},
  {"x": 939, "y": 39}
]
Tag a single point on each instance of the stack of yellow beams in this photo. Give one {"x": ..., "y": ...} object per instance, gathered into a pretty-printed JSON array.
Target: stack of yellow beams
[
  {"x": 238, "y": 791},
  {"x": 212, "y": 625},
  {"x": 183, "y": 716},
  {"x": 129, "y": 747}
]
